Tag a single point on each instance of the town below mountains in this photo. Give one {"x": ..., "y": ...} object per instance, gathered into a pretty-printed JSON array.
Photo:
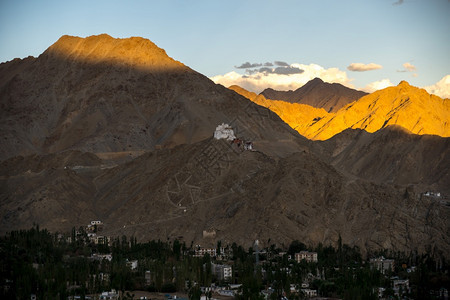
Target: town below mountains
[
  {"x": 109, "y": 129},
  {"x": 38, "y": 264}
]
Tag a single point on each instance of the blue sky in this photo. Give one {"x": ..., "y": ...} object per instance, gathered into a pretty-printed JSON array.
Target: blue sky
[{"x": 320, "y": 37}]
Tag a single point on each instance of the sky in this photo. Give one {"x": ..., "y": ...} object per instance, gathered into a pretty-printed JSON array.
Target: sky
[{"x": 363, "y": 44}]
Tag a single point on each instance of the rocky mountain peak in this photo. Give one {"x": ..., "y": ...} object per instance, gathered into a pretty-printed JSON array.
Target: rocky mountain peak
[
  {"x": 404, "y": 83},
  {"x": 318, "y": 94},
  {"x": 315, "y": 81},
  {"x": 134, "y": 51}
]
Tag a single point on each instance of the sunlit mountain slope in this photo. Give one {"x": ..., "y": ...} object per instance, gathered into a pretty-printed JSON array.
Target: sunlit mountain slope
[
  {"x": 298, "y": 116},
  {"x": 404, "y": 105}
]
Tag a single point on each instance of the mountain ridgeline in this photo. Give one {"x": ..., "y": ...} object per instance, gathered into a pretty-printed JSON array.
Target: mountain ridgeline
[
  {"x": 101, "y": 94},
  {"x": 316, "y": 93},
  {"x": 109, "y": 129}
]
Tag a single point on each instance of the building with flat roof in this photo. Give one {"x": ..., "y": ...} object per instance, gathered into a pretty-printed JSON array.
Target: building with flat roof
[{"x": 306, "y": 255}]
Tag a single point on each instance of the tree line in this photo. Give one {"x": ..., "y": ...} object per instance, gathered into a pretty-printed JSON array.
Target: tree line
[{"x": 38, "y": 262}]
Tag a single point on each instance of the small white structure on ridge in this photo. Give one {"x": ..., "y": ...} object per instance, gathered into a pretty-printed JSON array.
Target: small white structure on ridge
[{"x": 224, "y": 131}]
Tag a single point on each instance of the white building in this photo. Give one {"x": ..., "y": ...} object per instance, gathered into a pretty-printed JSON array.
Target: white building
[
  {"x": 224, "y": 131},
  {"x": 382, "y": 264},
  {"x": 306, "y": 255},
  {"x": 199, "y": 252}
]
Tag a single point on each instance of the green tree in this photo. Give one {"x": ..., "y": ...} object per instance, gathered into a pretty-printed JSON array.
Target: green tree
[{"x": 195, "y": 293}]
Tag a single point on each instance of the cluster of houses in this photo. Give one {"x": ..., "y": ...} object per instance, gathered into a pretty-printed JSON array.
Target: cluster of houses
[
  {"x": 294, "y": 289},
  {"x": 400, "y": 287},
  {"x": 224, "y": 272},
  {"x": 92, "y": 231}
]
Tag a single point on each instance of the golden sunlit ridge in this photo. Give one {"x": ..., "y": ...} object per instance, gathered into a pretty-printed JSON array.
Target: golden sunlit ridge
[
  {"x": 403, "y": 105},
  {"x": 138, "y": 52}
]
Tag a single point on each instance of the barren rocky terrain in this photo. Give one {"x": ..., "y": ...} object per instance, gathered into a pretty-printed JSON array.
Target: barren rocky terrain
[
  {"x": 115, "y": 130},
  {"x": 101, "y": 94}
]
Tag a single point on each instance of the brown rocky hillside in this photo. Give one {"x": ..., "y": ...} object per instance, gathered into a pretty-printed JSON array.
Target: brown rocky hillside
[
  {"x": 101, "y": 94},
  {"x": 111, "y": 129},
  {"x": 391, "y": 155},
  {"x": 247, "y": 195},
  {"x": 317, "y": 93}
]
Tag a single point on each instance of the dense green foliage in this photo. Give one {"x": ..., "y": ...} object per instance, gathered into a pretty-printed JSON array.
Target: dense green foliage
[{"x": 53, "y": 267}]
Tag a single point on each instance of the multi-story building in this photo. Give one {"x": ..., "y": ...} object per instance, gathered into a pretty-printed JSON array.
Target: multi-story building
[
  {"x": 222, "y": 272},
  {"x": 199, "y": 251},
  {"x": 382, "y": 264}
]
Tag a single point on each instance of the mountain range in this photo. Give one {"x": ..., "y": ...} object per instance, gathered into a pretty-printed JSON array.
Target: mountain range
[
  {"x": 109, "y": 129},
  {"x": 404, "y": 105}
]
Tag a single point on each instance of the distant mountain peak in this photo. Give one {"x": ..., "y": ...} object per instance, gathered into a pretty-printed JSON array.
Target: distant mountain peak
[
  {"x": 316, "y": 80},
  {"x": 319, "y": 94},
  {"x": 403, "y": 83}
]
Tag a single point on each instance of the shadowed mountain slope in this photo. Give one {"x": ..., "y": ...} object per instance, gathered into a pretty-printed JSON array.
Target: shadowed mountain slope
[
  {"x": 316, "y": 93},
  {"x": 391, "y": 155},
  {"x": 245, "y": 196},
  {"x": 101, "y": 94}
]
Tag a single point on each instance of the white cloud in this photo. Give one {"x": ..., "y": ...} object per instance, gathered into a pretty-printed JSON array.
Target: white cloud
[
  {"x": 377, "y": 85},
  {"x": 441, "y": 88},
  {"x": 257, "y": 82},
  {"x": 359, "y": 67},
  {"x": 409, "y": 67}
]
